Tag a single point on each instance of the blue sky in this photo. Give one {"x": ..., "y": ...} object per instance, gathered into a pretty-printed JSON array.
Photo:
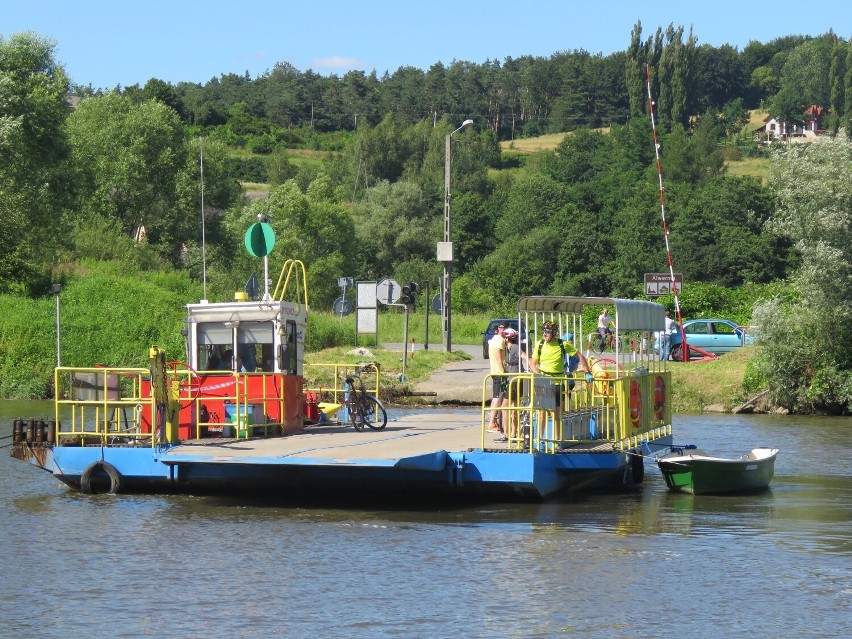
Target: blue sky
[{"x": 123, "y": 42}]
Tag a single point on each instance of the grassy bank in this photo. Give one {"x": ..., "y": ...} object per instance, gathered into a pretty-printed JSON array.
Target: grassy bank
[{"x": 710, "y": 386}]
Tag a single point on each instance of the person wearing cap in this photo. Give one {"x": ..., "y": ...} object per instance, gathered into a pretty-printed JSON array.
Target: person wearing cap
[
  {"x": 513, "y": 365},
  {"x": 496, "y": 357},
  {"x": 551, "y": 353},
  {"x": 549, "y": 358}
]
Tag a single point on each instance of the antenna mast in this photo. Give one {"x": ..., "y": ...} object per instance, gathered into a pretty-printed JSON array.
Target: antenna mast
[{"x": 203, "y": 238}]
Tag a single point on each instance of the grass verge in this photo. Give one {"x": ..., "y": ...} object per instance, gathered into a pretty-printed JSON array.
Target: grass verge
[{"x": 716, "y": 385}]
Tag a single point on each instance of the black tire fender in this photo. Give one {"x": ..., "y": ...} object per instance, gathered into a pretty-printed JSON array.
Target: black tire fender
[
  {"x": 93, "y": 470},
  {"x": 637, "y": 468}
]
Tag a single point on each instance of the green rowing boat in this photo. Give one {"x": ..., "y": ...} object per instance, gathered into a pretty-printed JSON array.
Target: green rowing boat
[{"x": 700, "y": 474}]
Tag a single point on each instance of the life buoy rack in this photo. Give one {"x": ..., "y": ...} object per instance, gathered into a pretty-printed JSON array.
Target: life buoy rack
[
  {"x": 95, "y": 471},
  {"x": 659, "y": 397},
  {"x": 635, "y": 403}
]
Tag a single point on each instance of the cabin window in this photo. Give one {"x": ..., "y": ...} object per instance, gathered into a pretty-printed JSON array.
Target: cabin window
[
  {"x": 215, "y": 347},
  {"x": 287, "y": 352},
  {"x": 255, "y": 341}
]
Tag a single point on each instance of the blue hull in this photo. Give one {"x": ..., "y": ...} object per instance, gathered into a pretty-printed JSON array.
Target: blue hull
[{"x": 474, "y": 473}]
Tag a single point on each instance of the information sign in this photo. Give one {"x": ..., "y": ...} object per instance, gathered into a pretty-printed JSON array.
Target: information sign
[{"x": 661, "y": 283}]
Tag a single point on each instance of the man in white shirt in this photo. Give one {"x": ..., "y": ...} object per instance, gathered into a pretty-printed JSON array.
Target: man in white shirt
[
  {"x": 604, "y": 322},
  {"x": 666, "y": 337}
]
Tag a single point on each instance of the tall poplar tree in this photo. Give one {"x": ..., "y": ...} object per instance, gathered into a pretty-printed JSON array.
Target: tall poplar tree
[
  {"x": 847, "y": 94},
  {"x": 634, "y": 72},
  {"x": 835, "y": 80}
]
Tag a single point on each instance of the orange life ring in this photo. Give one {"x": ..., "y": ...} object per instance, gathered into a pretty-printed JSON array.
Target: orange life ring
[
  {"x": 635, "y": 403},
  {"x": 659, "y": 397}
]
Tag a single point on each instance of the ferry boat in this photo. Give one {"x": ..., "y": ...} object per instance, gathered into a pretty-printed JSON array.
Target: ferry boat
[{"x": 236, "y": 416}]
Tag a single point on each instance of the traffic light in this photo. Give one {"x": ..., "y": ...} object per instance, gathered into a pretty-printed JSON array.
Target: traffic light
[{"x": 409, "y": 293}]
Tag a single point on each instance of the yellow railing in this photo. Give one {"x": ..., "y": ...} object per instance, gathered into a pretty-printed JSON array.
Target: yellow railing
[
  {"x": 105, "y": 405},
  {"x": 335, "y": 389},
  {"x": 548, "y": 414},
  {"x": 296, "y": 270},
  {"x": 250, "y": 410}
]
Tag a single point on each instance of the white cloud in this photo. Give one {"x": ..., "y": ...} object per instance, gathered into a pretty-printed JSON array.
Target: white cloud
[{"x": 336, "y": 62}]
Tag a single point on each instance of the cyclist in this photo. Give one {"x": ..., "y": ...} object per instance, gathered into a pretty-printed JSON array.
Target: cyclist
[
  {"x": 549, "y": 358},
  {"x": 605, "y": 326},
  {"x": 551, "y": 353}
]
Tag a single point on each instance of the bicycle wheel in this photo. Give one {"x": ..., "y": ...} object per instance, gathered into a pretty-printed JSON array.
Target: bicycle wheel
[
  {"x": 594, "y": 343},
  {"x": 355, "y": 404},
  {"x": 373, "y": 413}
]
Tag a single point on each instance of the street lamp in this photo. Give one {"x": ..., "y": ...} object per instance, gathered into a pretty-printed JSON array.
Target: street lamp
[
  {"x": 57, "y": 288},
  {"x": 445, "y": 248}
]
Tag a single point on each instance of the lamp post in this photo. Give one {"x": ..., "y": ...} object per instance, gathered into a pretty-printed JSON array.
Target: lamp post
[
  {"x": 57, "y": 288},
  {"x": 445, "y": 248}
]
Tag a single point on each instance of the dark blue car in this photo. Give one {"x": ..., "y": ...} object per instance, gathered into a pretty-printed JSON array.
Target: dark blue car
[{"x": 508, "y": 322}]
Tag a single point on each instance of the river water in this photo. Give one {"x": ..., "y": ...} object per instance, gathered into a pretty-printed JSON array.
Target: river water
[{"x": 641, "y": 563}]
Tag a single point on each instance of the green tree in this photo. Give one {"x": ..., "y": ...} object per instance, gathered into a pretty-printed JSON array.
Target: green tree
[
  {"x": 393, "y": 222},
  {"x": 472, "y": 230},
  {"x": 637, "y": 245},
  {"x": 164, "y": 92},
  {"x": 525, "y": 266},
  {"x": 804, "y": 79},
  {"x": 847, "y": 94},
  {"x": 719, "y": 234},
  {"x": 129, "y": 160},
  {"x": 33, "y": 150},
  {"x": 806, "y": 351},
  {"x": 734, "y": 118},
  {"x": 309, "y": 226},
  {"x": 717, "y": 78},
  {"x": 836, "y": 73},
  {"x": 531, "y": 203},
  {"x": 634, "y": 72}
]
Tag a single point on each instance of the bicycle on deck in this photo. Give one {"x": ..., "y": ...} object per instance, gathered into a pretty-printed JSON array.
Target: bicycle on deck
[{"x": 363, "y": 408}]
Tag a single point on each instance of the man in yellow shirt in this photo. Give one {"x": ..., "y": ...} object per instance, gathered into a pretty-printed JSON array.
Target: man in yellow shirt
[
  {"x": 496, "y": 357},
  {"x": 548, "y": 358}
]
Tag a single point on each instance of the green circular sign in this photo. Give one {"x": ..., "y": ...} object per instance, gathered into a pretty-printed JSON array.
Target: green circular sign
[{"x": 260, "y": 238}]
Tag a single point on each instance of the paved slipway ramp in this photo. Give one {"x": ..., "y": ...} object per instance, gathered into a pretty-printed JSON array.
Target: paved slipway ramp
[{"x": 455, "y": 382}]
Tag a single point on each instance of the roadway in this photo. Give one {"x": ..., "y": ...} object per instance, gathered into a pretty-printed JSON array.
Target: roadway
[{"x": 455, "y": 382}]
